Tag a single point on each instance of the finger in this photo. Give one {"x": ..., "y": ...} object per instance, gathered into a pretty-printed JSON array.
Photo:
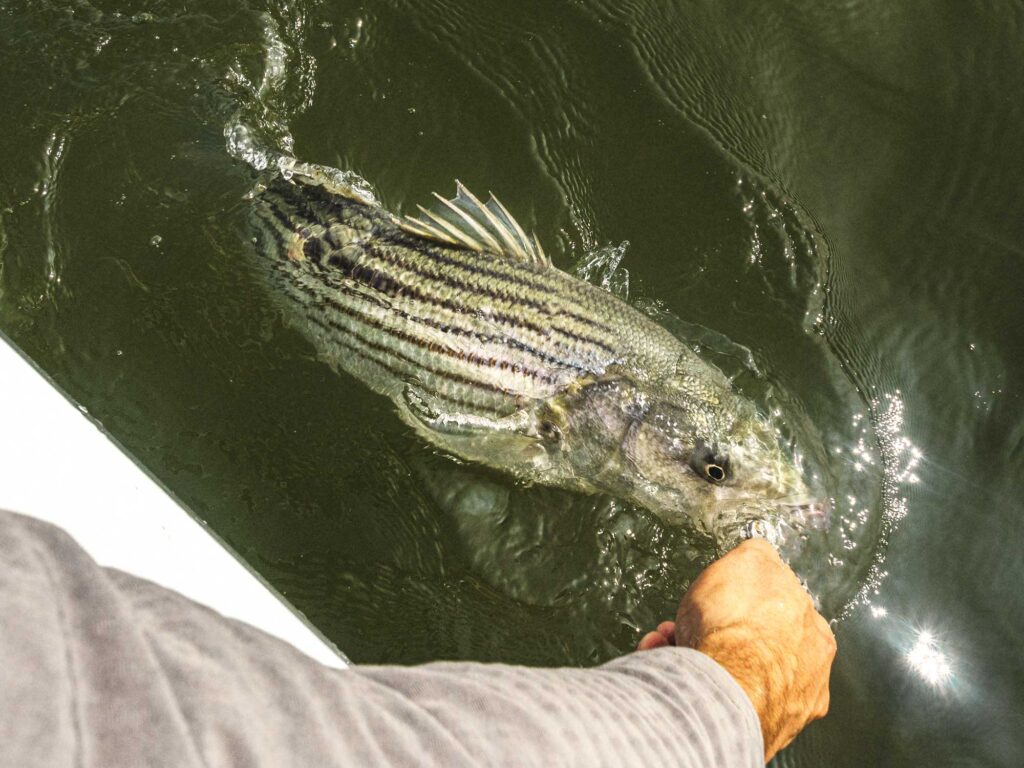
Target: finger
[
  {"x": 651, "y": 640},
  {"x": 755, "y": 544},
  {"x": 833, "y": 646},
  {"x": 667, "y": 629},
  {"x": 820, "y": 640},
  {"x": 758, "y": 547},
  {"x": 821, "y": 705},
  {"x": 684, "y": 633},
  {"x": 823, "y": 627}
]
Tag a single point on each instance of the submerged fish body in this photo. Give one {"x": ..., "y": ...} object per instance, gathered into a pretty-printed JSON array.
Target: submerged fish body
[{"x": 495, "y": 356}]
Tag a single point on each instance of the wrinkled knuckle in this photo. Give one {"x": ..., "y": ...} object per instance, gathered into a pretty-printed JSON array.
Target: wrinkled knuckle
[
  {"x": 759, "y": 549},
  {"x": 753, "y": 545}
]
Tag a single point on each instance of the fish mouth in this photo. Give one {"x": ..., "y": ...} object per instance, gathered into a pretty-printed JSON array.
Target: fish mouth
[
  {"x": 811, "y": 511},
  {"x": 784, "y": 518},
  {"x": 801, "y": 510}
]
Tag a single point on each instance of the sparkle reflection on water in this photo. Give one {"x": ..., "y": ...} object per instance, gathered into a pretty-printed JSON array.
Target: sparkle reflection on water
[
  {"x": 822, "y": 196},
  {"x": 927, "y": 659}
]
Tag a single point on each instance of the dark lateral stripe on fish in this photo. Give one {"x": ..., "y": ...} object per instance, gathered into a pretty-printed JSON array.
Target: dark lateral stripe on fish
[
  {"x": 318, "y": 193},
  {"x": 280, "y": 216},
  {"x": 391, "y": 355},
  {"x": 386, "y": 357},
  {"x": 288, "y": 225},
  {"x": 267, "y": 233},
  {"x": 390, "y": 286},
  {"x": 265, "y": 219},
  {"x": 482, "y": 292},
  {"x": 483, "y": 338},
  {"x": 519, "y": 280},
  {"x": 365, "y": 274},
  {"x": 470, "y": 359},
  {"x": 510, "y": 280},
  {"x": 314, "y": 249},
  {"x": 383, "y": 359},
  {"x": 484, "y": 265}
]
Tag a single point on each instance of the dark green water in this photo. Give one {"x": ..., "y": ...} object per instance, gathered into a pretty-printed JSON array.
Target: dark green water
[{"x": 827, "y": 198}]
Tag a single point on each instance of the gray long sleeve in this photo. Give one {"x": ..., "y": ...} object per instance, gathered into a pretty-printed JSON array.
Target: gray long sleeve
[{"x": 101, "y": 669}]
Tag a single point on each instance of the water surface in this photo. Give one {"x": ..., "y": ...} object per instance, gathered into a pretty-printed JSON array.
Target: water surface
[{"x": 823, "y": 198}]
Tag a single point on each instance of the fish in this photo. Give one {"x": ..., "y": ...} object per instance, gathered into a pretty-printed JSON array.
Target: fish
[{"x": 496, "y": 357}]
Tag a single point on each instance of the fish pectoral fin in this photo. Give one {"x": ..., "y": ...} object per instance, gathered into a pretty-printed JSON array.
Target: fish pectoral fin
[
  {"x": 470, "y": 434},
  {"x": 467, "y": 222}
]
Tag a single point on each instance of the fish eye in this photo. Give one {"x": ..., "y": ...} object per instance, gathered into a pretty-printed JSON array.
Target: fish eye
[
  {"x": 708, "y": 464},
  {"x": 714, "y": 472}
]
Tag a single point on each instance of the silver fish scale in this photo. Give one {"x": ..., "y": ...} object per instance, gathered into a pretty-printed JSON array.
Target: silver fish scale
[{"x": 481, "y": 332}]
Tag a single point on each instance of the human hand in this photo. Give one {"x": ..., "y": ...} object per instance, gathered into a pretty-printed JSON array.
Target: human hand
[{"x": 749, "y": 612}]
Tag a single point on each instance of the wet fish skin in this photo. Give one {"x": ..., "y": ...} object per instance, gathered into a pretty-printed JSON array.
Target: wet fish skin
[{"x": 497, "y": 357}]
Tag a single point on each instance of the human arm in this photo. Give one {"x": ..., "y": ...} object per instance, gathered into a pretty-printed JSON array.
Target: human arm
[
  {"x": 749, "y": 612},
  {"x": 103, "y": 669}
]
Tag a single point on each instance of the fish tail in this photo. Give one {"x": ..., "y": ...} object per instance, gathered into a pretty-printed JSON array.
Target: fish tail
[
  {"x": 301, "y": 218},
  {"x": 276, "y": 224}
]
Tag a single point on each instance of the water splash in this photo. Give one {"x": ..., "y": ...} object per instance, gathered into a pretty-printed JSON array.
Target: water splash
[
  {"x": 899, "y": 459},
  {"x": 603, "y": 267},
  {"x": 258, "y": 133},
  {"x": 782, "y": 235},
  {"x": 275, "y": 61}
]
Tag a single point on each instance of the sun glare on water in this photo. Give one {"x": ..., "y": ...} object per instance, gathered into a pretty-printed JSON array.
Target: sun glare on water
[{"x": 928, "y": 661}]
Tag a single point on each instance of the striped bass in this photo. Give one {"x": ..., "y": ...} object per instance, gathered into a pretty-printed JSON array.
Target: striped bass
[{"x": 495, "y": 356}]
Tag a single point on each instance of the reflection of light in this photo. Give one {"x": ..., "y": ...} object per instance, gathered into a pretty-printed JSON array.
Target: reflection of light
[
  {"x": 928, "y": 661},
  {"x": 879, "y": 611}
]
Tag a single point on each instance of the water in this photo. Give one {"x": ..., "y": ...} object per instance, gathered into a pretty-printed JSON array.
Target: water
[{"x": 823, "y": 198}]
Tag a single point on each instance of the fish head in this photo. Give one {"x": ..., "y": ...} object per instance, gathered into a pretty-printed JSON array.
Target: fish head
[{"x": 705, "y": 456}]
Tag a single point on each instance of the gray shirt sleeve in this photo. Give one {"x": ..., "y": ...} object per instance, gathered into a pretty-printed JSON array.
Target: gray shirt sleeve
[{"x": 99, "y": 668}]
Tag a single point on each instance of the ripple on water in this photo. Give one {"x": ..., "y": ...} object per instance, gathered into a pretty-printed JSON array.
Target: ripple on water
[
  {"x": 787, "y": 252},
  {"x": 587, "y": 574}
]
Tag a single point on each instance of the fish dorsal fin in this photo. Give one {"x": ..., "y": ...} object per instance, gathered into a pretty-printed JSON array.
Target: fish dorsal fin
[{"x": 469, "y": 223}]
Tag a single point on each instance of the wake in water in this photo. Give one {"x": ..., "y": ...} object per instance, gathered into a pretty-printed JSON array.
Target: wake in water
[{"x": 784, "y": 248}]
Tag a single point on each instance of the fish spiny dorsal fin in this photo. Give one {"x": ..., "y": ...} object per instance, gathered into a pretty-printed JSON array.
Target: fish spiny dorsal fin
[
  {"x": 448, "y": 230},
  {"x": 467, "y": 222},
  {"x": 467, "y": 215},
  {"x": 425, "y": 229},
  {"x": 516, "y": 239}
]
